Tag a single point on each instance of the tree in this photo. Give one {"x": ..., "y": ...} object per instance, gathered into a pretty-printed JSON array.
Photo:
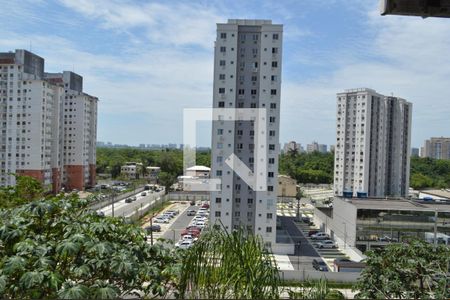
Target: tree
[
  {"x": 57, "y": 248},
  {"x": 224, "y": 265},
  {"x": 408, "y": 270},
  {"x": 315, "y": 290},
  {"x": 26, "y": 189},
  {"x": 167, "y": 180}
]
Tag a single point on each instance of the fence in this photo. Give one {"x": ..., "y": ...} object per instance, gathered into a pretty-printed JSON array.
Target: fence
[
  {"x": 102, "y": 203},
  {"x": 188, "y": 196},
  {"x": 141, "y": 211}
]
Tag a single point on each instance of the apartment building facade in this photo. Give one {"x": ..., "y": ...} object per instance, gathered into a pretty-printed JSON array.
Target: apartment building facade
[
  {"x": 436, "y": 147},
  {"x": 373, "y": 137},
  {"x": 34, "y": 117},
  {"x": 247, "y": 75}
]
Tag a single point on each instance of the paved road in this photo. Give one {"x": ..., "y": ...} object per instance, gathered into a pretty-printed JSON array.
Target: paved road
[
  {"x": 183, "y": 220},
  {"x": 307, "y": 252},
  {"x": 126, "y": 209}
]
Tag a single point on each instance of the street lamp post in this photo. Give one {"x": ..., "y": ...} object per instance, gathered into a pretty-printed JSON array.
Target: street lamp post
[
  {"x": 112, "y": 204},
  {"x": 297, "y": 251},
  {"x": 345, "y": 235}
]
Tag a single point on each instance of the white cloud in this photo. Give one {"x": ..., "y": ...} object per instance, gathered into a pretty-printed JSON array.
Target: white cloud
[{"x": 408, "y": 57}]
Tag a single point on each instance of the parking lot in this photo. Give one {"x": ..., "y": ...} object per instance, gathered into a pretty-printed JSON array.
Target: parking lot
[
  {"x": 299, "y": 231},
  {"x": 172, "y": 230}
]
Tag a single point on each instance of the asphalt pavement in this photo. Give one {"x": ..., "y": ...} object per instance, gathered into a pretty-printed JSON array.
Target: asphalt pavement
[
  {"x": 122, "y": 209},
  {"x": 182, "y": 221},
  {"x": 306, "y": 252}
]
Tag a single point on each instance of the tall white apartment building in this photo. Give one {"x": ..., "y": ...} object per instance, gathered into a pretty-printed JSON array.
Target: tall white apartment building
[
  {"x": 79, "y": 130},
  {"x": 373, "y": 137},
  {"x": 437, "y": 147},
  {"x": 247, "y": 74},
  {"x": 33, "y": 114}
]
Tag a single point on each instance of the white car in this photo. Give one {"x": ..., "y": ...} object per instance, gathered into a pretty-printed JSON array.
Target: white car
[
  {"x": 161, "y": 220},
  {"x": 320, "y": 236},
  {"x": 200, "y": 224},
  {"x": 199, "y": 218},
  {"x": 188, "y": 237},
  {"x": 184, "y": 244},
  {"x": 326, "y": 244}
]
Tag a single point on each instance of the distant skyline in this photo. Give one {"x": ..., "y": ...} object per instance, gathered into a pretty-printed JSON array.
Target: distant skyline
[{"x": 146, "y": 61}]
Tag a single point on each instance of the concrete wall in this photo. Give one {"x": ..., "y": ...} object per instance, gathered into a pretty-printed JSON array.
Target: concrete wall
[
  {"x": 279, "y": 248},
  {"x": 315, "y": 275}
]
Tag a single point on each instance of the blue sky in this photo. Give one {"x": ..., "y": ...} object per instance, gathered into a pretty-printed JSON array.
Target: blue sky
[{"x": 147, "y": 60}]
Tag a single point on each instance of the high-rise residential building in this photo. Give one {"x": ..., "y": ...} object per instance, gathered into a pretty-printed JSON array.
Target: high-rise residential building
[
  {"x": 315, "y": 146},
  {"x": 373, "y": 137},
  {"x": 247, "y": 74},
  {"x": 42, "y": 133},
  {"x": 79, "y": 130},
  {"x": 436, "y": 147},
  {"x": 292, "y": 146}
]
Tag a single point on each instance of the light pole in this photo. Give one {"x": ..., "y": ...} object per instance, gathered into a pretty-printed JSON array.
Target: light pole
[
  {"x": 297, "y": 250},
  {"x": 112, "y": 204},
  {"x": 345, "y": 235}
]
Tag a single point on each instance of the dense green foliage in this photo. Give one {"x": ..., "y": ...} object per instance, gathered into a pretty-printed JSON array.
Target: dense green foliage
[
  {"x": 319, "y": 289},
  {"x": 304, "y": 167},
  {"x": 413, "y": 270},
  {"x": 27, "y": 189},
  {"x": 308, "y": 167},
  {"x": 232, "y": 265},
  {"x": 109, "y": 160},
  {"x": 428, "y": 172},
  {"x": 57, "y": 248}
]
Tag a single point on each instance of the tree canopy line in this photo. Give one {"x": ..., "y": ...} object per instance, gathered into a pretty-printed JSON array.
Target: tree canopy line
[{"x": 304, "y": 167}]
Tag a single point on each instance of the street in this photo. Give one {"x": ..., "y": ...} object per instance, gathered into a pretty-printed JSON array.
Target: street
[{"x": 122, "y": 209}]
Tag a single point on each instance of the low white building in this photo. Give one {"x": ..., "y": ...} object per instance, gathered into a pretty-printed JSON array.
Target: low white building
[
  {"x": 152, "y": 173},
  {"x": 198, "y": 171},
  {"x": 131, "y": 170}
]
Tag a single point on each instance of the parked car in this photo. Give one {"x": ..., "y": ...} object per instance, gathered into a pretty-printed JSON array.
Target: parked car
[
  {"x": 341, "y": 259},
  {"x": 188, "y": 237},
  {"x": 176, "y": 212},
  {"x": 329, "y": 244},
  {"x": 143, "y": 194},
  {"x": 206, "y": 205},
  {"x": 320, "y": 236},
  {"x": 184, "y": 244},
  {"x": 306, "y": 220},
  {"x": 312, "y": 232},
  {"x": 191, "y": 212},
  {"x": 167, "y": 215},
  {"x": 128, "y": 200},
  {"x": 192, "y": 202},
  {"x": 193, "y": 227},
  {"x": 100, "y": 214},
  {"x": 200, "y": 224},
  {"x": 155, "y": 228},
  {"x": 319, "y": 265},
  {"x": 161, "y": 220},
  {"x": 195, "y": 233}
]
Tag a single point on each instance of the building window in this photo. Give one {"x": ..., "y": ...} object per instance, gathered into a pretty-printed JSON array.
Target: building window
[
  {"x": 271, "y": 146},
  {"x": 273, "y": 91},
  {"x": 275, "y": 36},
  {"x": 273, "y": 78},
  {"x": 271, "y": 160},
  {"x": 269, "y": 216},
  {"x": 249, "y": 201},
  {"x": 254, "y": 78},
  {"x": 223, "y": 35},
  {"x": 272, "y": 119},
  {"x": 270, "y": 188},
  {"x": 274, "y": 50},
  {"x": 240, "y": 132},
  {"x": 219, "y": 159},
  {"x": 237, "y": 200},
  {"x": 273, "y": 105},
  {"x": 270, "y": 174},
  {"x": 222, "y": 76},
  {"x": 219, "y": 173},
  {"x": 241, "y": 92},
  {"x": 237, "y": 187},
  {"x": 221, "y": 90},
  {"x": 272, "y": 133},
  {"x": 253, "y": 92},
  {"x": 222, "y": 63},
  {"x": 274, "y": 64},
  {"x": 219, "y": 131},
  {"x": 221, "y": 104},
  {"x": 218, "y": 200},
  {"x": 223, "y": 49},
  {"x": 268, "y": 229},
  {"x": 217, "y": 214}
]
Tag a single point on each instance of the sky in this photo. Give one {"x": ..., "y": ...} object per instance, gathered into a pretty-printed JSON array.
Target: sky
[{"x": 148, "y": 60}]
